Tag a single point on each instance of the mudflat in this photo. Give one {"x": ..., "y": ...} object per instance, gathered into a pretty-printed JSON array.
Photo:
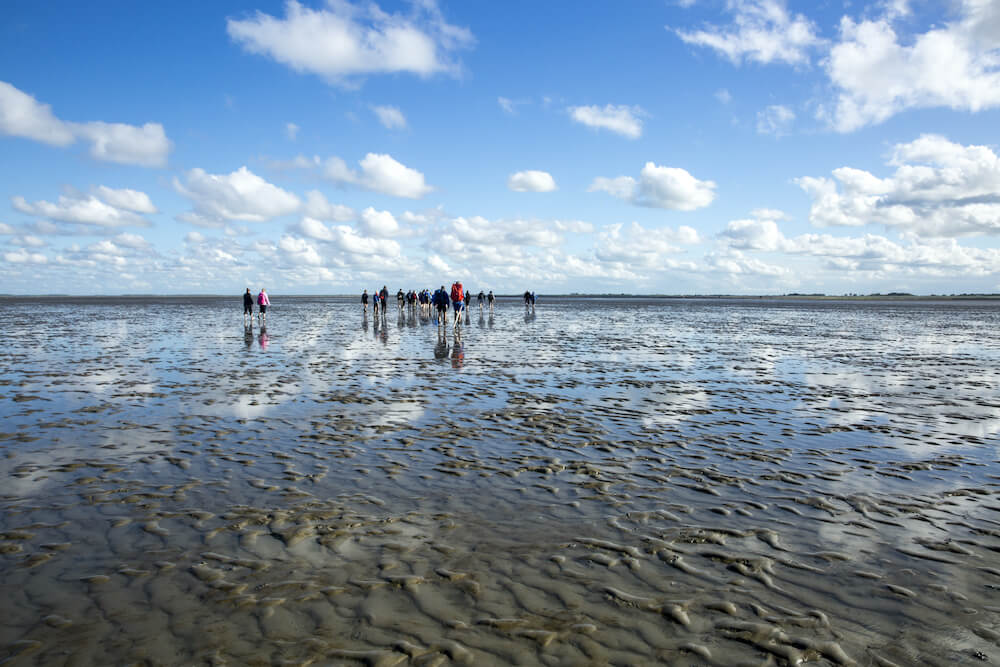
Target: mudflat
[{"x": 596, "y": 482}]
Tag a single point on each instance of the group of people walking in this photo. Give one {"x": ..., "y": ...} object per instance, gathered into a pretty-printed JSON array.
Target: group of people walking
[
  {"x": 437, "y": 301},
  {"x": 262, "y": 303}
]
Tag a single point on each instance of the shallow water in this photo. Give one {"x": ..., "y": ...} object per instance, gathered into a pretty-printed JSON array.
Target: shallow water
[{"x": 701, "y": 482}]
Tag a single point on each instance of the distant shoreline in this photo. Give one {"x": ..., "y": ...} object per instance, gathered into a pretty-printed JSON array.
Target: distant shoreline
[{"x": 730, "y": 297}]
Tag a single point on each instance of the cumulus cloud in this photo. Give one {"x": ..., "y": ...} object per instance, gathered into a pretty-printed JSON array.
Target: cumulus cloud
[
  {"x": 240, "y": 195},
  {"x": 506, "y": 104},
  {"x": 531, "y": 181},
  {"x": 292, "y": 131},
  {"x": 22, "y": 115},
  {"x": 380, "y": 173},
  {"x": 298, "y": 251},
  {"x": 108, "y": 207},
  {"x": 342, "y": 40},
  {"x": 348, "y": 240},
  {"x": 623, "y": 120},
  {"x": 762, "y": 31},
  {"x": 939, "y": 188},
  {"x": 130, "y": 200},
  {"x": 380, "y": 224},
  {"x": 574, "y": 226},
  {"x": 775, "y": 119},
  {"x": 878, "y": 73},
  {"x": 868, "y": 253},
  {"x": 390, "y": 117},
  {"x": 317, "y": 206},
  {"x": 659, "y": 187},
  {"x": 23, "y": 256},
  {"x": 146, "y": 146},
  {"x": 643, "y": 247},
  {"x": 6, "y": 230}
]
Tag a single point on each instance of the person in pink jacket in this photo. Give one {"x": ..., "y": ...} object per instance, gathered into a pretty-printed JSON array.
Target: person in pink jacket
[{"x": 262, "y": 303}]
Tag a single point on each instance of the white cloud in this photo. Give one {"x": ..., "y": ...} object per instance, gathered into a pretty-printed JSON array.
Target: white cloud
[
  {"x": 622, "y": 187},
  {"x": 574, "y": 226},
  {"x": 348, "y": 240},
  {"x": 292, "y": 131},
  {"x": 6, "y": 230},
  {"x": 380, "y": 173},
  {"x": 344, "y": 40},
  {"x": 723, "y": 95},
  {"x": 622, "y": 120},
  {"x": 21, "y": 115},
  {"x": 390, "y": 117},
  {"x": 506, "y": 104},
  {"x": 299, "y": 251},
  {"x": 28, "y": 241},
  {"x": 134, "y": 241},
  {"x": 659, "y": 187},
  {"x": 130, "y": 200},
  {"x": 736, "y": 263},
  {"x": 240, "y": 195},
  {"x": 878, "y": 74},
  {"x": 439, "y": 265},
  {"x": 868, "y": 253},
  {"x": 775, "y": 119},
  {"x": 317, "y": 206},
  {"x": 380, "y": 224},
  {"x": 531, "y": 181},
  {"x": 146, "y": 146},
  {"x": 83, "y": 209},
  {"x": 642, "y": 247},
  {"x": 315, "y": 229},
  {"x": 762, "y": 31},
  {"x": 939, "y": 188},
  {"x": 25, "y": 257},
  {"x": 769, "y": 214}
]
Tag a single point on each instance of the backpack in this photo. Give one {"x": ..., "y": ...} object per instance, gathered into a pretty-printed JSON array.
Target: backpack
[{"x": 456, "y": 292}]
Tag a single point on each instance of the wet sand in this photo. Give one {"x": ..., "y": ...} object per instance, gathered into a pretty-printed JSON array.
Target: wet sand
[{"x": 659, "y": 482}]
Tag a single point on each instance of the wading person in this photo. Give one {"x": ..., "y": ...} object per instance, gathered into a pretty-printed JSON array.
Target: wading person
[
  {"x": 262, "y": 303},
  {"x": 480, "y": 298},
  {"x": 490, "y": 298},
  {"x": 247, "y": 308},
  {"x": 440, "y": 301},
  {"x": 457, "y": 301},
  {"x": 364, "y": 301}
]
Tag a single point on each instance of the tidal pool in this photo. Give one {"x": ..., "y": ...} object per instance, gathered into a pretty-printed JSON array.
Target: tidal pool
[{"x": 600, "y": 481}]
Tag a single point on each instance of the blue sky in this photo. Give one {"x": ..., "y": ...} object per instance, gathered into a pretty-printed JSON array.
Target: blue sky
[{"x": 695, "y": 146}]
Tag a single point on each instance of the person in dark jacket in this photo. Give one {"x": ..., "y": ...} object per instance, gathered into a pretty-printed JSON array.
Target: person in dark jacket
[{"x": 247, "y": 308}]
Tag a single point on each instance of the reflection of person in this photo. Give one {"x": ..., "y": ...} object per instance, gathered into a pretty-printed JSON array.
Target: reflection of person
[
  {"x": 532, "y": 300},
  {"x": 263, "y": 339},
  {"x": 441, "y": 349},
  {"x": 457, "y": 352},
  {"x": 247, "y": 308},
  {"x": 262, "y": 303}
]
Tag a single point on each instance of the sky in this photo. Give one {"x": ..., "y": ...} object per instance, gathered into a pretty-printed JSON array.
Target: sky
[{"x": 657, "y": 146}]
